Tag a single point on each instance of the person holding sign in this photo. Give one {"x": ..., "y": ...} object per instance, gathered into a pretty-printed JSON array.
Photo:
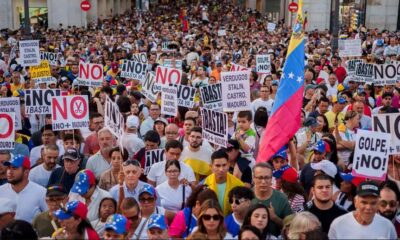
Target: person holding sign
[
  {"x": 345, "y": 136},
  {"x": 245, "y": 135}
]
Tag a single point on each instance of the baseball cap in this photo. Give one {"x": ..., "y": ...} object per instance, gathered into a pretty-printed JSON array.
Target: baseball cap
[
  {"x": 368, "y": 188},
  {"x": 7, "y": 206},
  {"x": 275, "y": 82},
  {"x": 19, "y": 161},
  {"x": 321, "y": 146},
  {"x": 160, "y": 119},
  {"x": 280, "y": 153},
  {"x": 326, "y": 166},
  {"x": 148, "y": 189},
  {"x": 287, "y": 173},
  {"x": 339, "y": 99},
  {"x": 132, "y": 121},
  {"x": 157, "y": 221},
  {"x": 117, "y": 223},
  {"x": 56, "y": 190},
  {"x": 73, "y": 208},
  {"x": 71, "y": 154},
  {"x": 311, "y": 122},
  {"x": 83, "y": 182},
  {"x": 348, "y": 177}
]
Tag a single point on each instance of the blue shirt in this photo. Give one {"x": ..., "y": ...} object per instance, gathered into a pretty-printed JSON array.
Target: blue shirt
[
  {"x": 232, "y": 225},
  {"x": 114, "y": 191}
]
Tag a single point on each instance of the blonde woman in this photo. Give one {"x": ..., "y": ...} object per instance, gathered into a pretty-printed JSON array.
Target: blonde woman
[{"x": 301, "y": 224}]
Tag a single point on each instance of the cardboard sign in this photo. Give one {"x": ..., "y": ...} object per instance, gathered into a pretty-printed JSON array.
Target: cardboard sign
[
  {"x": 211, "y": 96},
  {"x": 134, "y": 70},
  {"x": 152, "y": 157},
  {"x": 169, "y": 101},
  {"x": 388, "y": 123},
  {"x": 235, "y": 91},
  {"x": 350, "y": 48},
  {"x": 149, "y": 90},
  {"x": 29, "y": 52},
  {"x": 12, "y": 105},
  {"x": 167, "y": 76},
  {"x": 364, "y": 73},
  {"x": 263, "y": 64},
  {"x": 113, "y": 119},
  {"x": 38, "y": 101},
  {"x": 70, "y": 112},
  {"x": 371, "y": 155},
  {"x": 139, "y": 57},
  {"x": 271, "y": 27},
  {"x": 90, "y": 75},
  {"x": 386, "y": 74},
  {"x": 172, "y": 63},
  {"x": 237, "y": 67},
  {"x": 186, "y": 95},
  {"x": 41, "y": 73},
  {"x": 7, "y": 131},
  {"x": 52, "y": 58},
  {"x": 215, "y": 126}
]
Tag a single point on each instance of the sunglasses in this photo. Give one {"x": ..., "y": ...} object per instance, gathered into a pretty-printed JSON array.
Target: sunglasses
[
  {"x": 207, "y": 217},
  {"x": 131, "y": 162},
  {"x": 133, "y": 218},
  {"x": 144, "y": 200},
  {"x": 237, "y": 201},
  {"x": 384, "y": 203},
  {"x": 155, "y": 231}
]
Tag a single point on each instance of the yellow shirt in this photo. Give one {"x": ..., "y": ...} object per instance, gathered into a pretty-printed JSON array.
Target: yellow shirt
[{"x": 330, "y": 116}]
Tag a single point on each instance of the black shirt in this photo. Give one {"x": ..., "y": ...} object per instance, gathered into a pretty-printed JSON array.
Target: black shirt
[
  {"x": 326, "y": 217},
  {"x": 60, "y": 176}
]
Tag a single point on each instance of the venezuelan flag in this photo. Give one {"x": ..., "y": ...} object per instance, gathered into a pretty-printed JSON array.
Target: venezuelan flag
[{"x": 285, "y": 116}]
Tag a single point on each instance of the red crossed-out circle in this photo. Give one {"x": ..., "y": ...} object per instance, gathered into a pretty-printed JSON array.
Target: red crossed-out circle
[
  {"x": 10, "y": 125},
  {"x": 78, "y": 107}
]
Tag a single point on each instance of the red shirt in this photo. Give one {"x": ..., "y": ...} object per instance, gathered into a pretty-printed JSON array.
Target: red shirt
[{"x": 340, "y": 73}]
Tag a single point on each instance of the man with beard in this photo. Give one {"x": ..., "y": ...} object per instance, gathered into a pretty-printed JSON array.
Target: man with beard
[
  {"x": 29, "y": 196},
  {"x": 389, "y": 203},
  {"x": 41, "y": 173},
  {"x": 196, "y": 155},
  {"x": 4, "y": 157},
  {"x": 322, "y": 205}
]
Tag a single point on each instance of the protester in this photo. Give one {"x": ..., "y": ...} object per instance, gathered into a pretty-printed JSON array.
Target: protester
[
  {"x": 259, "y": 217},
  {"x": 249, "y": 232},
  {"x": 8, "y": 209},
  {"x": 389, "y": 203},
  {"x": 131, "y": 210},
  {"x": 157, "y": 227},
  {"x": 40, "y": 174},
  {"x": 107, "y": 207},
  {"x": 117, "y": 227},
  {"x": 301, "y": 224},
  {"x": 109, "y": 178}
]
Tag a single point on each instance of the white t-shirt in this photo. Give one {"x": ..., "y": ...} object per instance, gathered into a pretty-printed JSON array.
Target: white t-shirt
[
  {"x": 199, "y": 161},
  {"x": 98, "y": 164},
  {"x": 36, "y": 153},
  {"x": 261, "y": 103},
  {"x": 40, "y": 175},
  {"x": 347, "y": 227},
  {"x": 157, "y": 173},
  {"x": 348, "y": 135},
  {"x": 170, "y": 198},
  {"x": 132, "y": 143}
]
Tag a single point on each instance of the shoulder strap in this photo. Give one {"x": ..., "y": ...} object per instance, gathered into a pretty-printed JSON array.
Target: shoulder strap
[{"x": 183, "y": 196}]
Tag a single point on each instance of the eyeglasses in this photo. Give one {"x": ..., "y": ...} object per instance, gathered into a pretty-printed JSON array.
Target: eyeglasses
[
  {"x": 155, "y": 231},
  {"x": 131, "y": 162},
  {"x": 237, "y": 201},
  {"x": 173, "y": 171},
  {"x": 171, "y": 133},
  {"x": 207, "y": 217},
  {"x": 154, "y": 109},
  {"x": 144, "y": 200},
  {"x": 261, "y": 178},
  {"x": 133, "y": 218},
  {"x": 384, "y": 203}
]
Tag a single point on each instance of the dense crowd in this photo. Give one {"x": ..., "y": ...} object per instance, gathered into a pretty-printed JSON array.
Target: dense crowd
[{"x": 87, "y": 184}]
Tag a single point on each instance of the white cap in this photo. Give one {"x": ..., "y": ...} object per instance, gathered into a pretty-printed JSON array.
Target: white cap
[
  {"x": 7, "y": 206},
  {"x": 132, "y": 121},
  {"x": 326, "y": 166}
]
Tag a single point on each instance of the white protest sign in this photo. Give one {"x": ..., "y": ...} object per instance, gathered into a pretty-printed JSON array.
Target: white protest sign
[
  {"x": 235, "y": 91},
  {"x": 149, "y": 90},
  {"x": 364, "y": 73},
  {"x": 70, "y": 112},
  {"x": 371, "y": 155},
  {"x": 52, "y": 58},
  {"x": 90, "y": 75},
  {"x": 271, "y": 27},
  {"x": 7, "y": 131},
  {"x": 12, "y": 105},
  {"x": 221, "y": 32},
  {"x": 211, "y": 96},
  {"x": 167, "y": 76},
  {"x": 350, "y": 48},
  {"x": 139, "y": 57},
  {"x": 263, "y": 64},
  {"x": 386, "y": 74},
  {"x": 29, "y": 52},
  {"x": 113, "y": 118},
  {"x": 169, "y": 101},
  {"x": 38, "y": 101},
  {"x": 152, "y": 157},
  {"x": 185, "y": 95},
  {"x": 351, "y": 65},
  {"x": 133, "y": 70},
  {"x": 164, "y": 46},
  {"x": 215, "y": 126},
  {"x": 237, "y": 67},
  {"x": 388, "y": 123},
  {"x": 172, "y": 63}
]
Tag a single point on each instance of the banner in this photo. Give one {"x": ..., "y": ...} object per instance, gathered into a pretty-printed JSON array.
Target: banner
[
  {"x": 263, "y": 64},
  {"x": 350, "y": 48},
  {"x": 185, "y": 95},
  {"x": 169, "y": 101},
  {"x": 172, "y": 63},
  {"x": 364, "y": 73},
  {"x": 41, "y": 73},
  {"x": 140, "y": 57},
  {"x": 134, "y": 70},
  {"x": 12, "y": 105},
  {"x": 237, "y": 67},
  {"x": 90, "y": 75},
  {"x": 211, "y": 96},
  {"x": 52, "y": 58},
  {"x": 271, "y": 27},
  {"x": 113, "y": 119},
  {"x": 235, "y": 91},
  {"x": 167, "y": 76},
  {"x": 149, "y": 90},
  {"x": 388, "y": 123},
  {"x": 371, "y": 155},
  {"x": 152, "y": 157},
  {"x": 29, "y": 52},
  {"x": 70, "y": 112},
  {"x": 215, "y": 126},
  {"x": 351, "y": 65},
  {"x": 7, "y": 131},
  {"x": 386, "y": 74},
  {"x": 38, "y": 101}
]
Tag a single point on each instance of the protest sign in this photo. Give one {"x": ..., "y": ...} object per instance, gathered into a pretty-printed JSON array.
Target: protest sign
[
  {"x": 167, "y": 76},
  {"x": 172, "y": 63},
  {"x": 41, "y": 73},
  {"x": 271, "y": 27},
  {"x": 235, "y": 91},
  {"x": 263, "y": 64},
  {"x": 12, "y": 105},
  {"x": 185, "y": 95},
  {"x": 169, "y": 101},
  {"x": 152, "y": 157},
  {"x": 351, "y": 65},
  {"x": 237, "y": 67},
  {"x": 386, "y": 74},
  {"x": 371, "y": 155},
  {"x": 52, "y": 58},
  {"x": 221, "y": 32},
  {"x": 38, "y": 101},
  {"x": 388, "y": 123},
  {"x": 90, "y": 75},
  {"x": 133, "y": 70},
  {"x": 70, "y": 112},
  {"x": 350, "y": 48},
  {"x": 29, "y": 52},
  {"x": 7, "y": 131},
  {"x": 215, "y": 126},
  {"x": 211, "y": 96},
  {"x": 165, "y": 46},
  {"x": 149, "y": 90},
  {"x": 113, "y": 118},
  {"x": 139, "y": 57},
  {"x": 364, "y": 73}
]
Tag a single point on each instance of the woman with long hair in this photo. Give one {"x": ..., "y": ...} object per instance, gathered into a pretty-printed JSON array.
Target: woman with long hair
[
  {"x": 249, "y": 232},
  {"x": 348, "y": 188},
  {"x": 109, "y": 178},
  {"x": 301, "y": 224},
  {"x": 107, "y": 207},
  {"x": 258, "y": 216}
]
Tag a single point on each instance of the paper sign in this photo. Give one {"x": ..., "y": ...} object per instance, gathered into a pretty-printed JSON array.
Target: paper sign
[
  {"x": 41, "y": 73},
  {"x": 29, "y": 52},
  {"x": 237, "y": 67},
  {"x": 186, "y": 95},
  {"x": 38, "y": 101},
  {"x": 235, "y": 91},
  {"x": 386, "y": 74},
  {"x": 371, "y": 155},
  {"x": 70, "y": 112},
  {"x": 149, "y": 89},
  {"x": 90, "y": 75},
  {"x": 172, "y": 63},
  {"x": 271, "y": 27},
  {"x": 263, "y": 64},
  {"x": 215, "y": 126},
  {"x": 221, "y": 32},
  {"x": 388, "y": 123},
  {"x": 152, "y": 157},
  {"x": 211, "y": 96},
  {"x": 167, "y": 76},
  {"x": 364, "y": 73},
  {"x": 52, "y": 58},
  {"x": 7, "y": 131},
  {"x": 350, "y": 48},
  {"x": 139, "y": 57},
  {"x": 169, "y": 101},
  {"x": 133, "y": 70},
  {"x": 12, "y": 105},
  {"x": 113, "y": 119}
]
